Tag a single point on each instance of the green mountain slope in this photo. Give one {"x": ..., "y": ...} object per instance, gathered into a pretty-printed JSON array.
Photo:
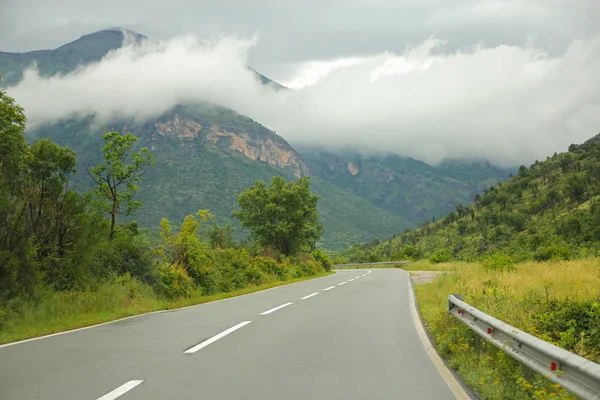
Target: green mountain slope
[
  {"x": 550, "y": 210},
  {"x": 204, "y": 155},
  {"x": 412, "y": 189},
  {"x": 87, "y": 49}
]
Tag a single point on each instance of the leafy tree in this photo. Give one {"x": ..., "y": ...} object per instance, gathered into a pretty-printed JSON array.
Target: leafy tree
[
  {"x": 221, "y": 236},
  {"x": 283, "y": 216},
  {"x": 118, "y": 176},
  {"x": 17, "y": 252}
]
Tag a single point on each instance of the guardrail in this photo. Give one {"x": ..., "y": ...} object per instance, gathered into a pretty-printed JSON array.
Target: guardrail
[
  {"x": 574, "y": 373},
  {"x": 373, "y": 263}
]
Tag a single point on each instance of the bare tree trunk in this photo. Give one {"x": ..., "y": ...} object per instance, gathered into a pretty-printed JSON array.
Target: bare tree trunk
[{"x": 113, "y": 218}]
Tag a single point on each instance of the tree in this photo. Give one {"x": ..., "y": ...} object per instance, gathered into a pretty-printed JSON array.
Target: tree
[
  {"x": 118, "y": 176},
  {"x": 17, "y": 253},
  {"x": 221, "y": 236},
  {"x": 283, "y": 215}
]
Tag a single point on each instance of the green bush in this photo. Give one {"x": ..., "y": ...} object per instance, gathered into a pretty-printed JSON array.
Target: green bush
[
  {"x": 323, "y": 258},
  {"x": 127, "y": 253},
  {"x": 175, "y": 282},
  {"x": 441, "y": 256},
  {"x": 553, "y": 252},
  {"x": 498, "y": 262}
]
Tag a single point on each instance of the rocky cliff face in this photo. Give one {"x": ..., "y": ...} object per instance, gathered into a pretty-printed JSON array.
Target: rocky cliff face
[
  {"x": 179, "y": 127},
  {"x": 259, "y": 147}
]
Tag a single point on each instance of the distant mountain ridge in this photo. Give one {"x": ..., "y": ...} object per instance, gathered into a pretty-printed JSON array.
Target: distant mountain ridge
[
  {"x": 549, "y": 211},
  {"x": 205, "y": 154}
]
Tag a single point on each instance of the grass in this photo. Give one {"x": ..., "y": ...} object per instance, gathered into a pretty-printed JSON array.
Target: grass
[
  {"x": 545, "y": 299},
  {"x": 58, "y": 312}
]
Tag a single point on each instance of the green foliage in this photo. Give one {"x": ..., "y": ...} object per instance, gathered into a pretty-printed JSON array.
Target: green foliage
[
  {"x": 441, "y": 256},
  {"x": 573, "y": 325},
  {"x": 221, "y": 236},
  {"x": 340, "y": 259},
  {"x": 553, "y": 252},
  {"x": 406, "y": 188},
  {"x": 186, "y": 256},
  {"x": 323, "y": 258},
  {"x": 282, "y": 216},
  {"x": 408, "y": 252},
  {"x": 548, "y": 211},
  {"x": 498, "y": 262},
  {"x": 117, "y": 177}
]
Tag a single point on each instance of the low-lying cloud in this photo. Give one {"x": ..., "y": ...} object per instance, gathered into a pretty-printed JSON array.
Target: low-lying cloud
[{"x": 507, "y": 104}]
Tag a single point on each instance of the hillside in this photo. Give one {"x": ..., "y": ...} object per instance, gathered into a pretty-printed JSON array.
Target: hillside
[
  {"x": 402, "y": 185},
  {"x": 205, "y": 154},
  {"x": 85, "y": 50},
  {"x": 550, "y": 210}
]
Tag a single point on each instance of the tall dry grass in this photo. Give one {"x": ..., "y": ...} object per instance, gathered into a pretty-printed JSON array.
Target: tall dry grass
[{"x": 540, "y": 298}]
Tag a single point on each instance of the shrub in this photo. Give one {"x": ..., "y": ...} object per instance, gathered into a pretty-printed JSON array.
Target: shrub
[
  {"x": 553, "y": 252},
  {"x": 127, "y": 253},
  {"x": 440, "y": 256},
  {"x": 498, "y": 262},
  {"x": 175, "y": 282},
  {"x": 323, "y": 258},
  {"x": 408, "y": 252}
]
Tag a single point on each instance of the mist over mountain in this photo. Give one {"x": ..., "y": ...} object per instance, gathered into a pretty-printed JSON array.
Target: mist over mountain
[{"x": 506, "y": 104}]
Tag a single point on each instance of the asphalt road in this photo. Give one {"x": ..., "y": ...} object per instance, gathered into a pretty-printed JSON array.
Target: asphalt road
[{"x": 356, "y": 340}]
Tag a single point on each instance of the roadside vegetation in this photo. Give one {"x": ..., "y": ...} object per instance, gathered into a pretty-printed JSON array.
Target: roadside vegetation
[
  {"x": 549, "y": 211},
  {"x": 70, "y": 259},
  {"x": 556, "y": 301},
  {"x": 526, "y": 252}
]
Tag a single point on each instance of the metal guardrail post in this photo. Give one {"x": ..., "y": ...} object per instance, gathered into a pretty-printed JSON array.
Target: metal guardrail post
[{"x": 574, "y": 373}]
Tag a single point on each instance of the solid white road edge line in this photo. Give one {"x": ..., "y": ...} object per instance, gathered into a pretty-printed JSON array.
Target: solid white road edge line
[
  {"x": 309, "y": 296},
  {"x": 330, "y": 287},
  {"x": 121, "y": 390},
  {"x": 447, "y": 376},
  {"x": 213, "y": 339},
  {"x": 275, "y": 309}
]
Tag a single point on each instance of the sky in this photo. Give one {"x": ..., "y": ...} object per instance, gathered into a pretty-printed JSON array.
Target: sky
[{"x": 510, "y": 81}]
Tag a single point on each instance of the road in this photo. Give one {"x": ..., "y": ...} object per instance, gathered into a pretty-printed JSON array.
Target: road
[{"x": 345, "y": 336}]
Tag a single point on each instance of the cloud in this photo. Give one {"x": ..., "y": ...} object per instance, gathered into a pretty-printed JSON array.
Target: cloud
[
  {"x": 507, "y": 104},
  {"x": 294, "y": 31}
]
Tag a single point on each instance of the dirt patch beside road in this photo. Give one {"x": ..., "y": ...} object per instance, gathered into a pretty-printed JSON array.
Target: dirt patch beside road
[{"x": 423, "y": 277}]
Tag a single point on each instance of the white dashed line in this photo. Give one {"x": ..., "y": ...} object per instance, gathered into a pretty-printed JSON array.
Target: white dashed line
[
  {"x": 330, "y": 287},
  {"x": 215, "y": 338},
  {"x": 120, "y": 391},
  {"x": 276, "y": 308},
  {"x": 309, "y": 296},
  {"x": 340, "y": 284},
  {"x": 358, "y": 277},
  {"x": 350, "y": 280}
]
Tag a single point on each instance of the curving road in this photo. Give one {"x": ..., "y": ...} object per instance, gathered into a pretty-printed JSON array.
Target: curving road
[{"x": 345, "y": 336}]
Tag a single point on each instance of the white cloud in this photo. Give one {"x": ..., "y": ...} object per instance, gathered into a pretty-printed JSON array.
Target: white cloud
[{"x": 509, "y": 104}]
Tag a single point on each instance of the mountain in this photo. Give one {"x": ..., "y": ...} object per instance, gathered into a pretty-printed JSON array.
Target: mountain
[
  {"x": 550, "y": 210},
  {"x": 402, "y": 185},
  {"x": 205, "y": 154},
  {"x": 85, "y": 50}
]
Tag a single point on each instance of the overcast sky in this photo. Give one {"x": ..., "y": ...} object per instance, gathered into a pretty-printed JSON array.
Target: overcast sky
[{"x": 511, "y": 80}]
